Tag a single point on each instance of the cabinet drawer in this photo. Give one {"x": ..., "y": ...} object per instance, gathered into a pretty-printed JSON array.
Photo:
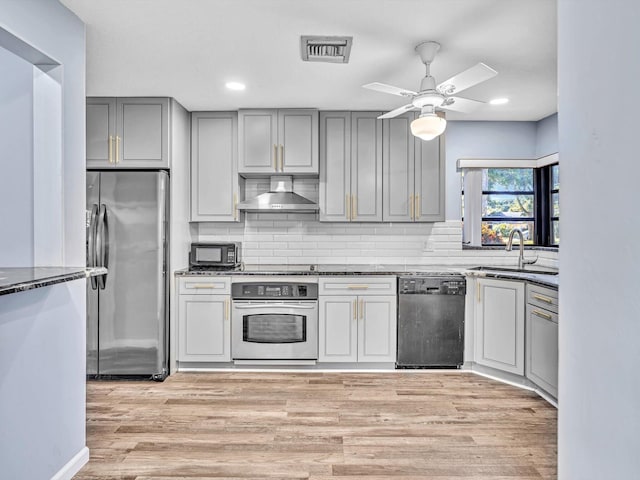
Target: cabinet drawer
[
  {"x": 542, "y": 313},
  {"x": 204, "y": 285},
  {"x": 382, "y": 285},
  {"x": 542, "y": 297}
]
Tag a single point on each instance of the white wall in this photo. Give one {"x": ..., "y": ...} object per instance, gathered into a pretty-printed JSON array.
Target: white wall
[
  {"x": 42, "y": 331},
  {"x": 16, "y": 161},
  {"x": 483, "y": 140},
  {"x": 547, "y": 136},
  {"x": 599, "y": 416}
]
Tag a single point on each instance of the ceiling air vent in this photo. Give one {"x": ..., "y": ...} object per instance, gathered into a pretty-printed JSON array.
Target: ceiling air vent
[{"x": 325, "y": 49}]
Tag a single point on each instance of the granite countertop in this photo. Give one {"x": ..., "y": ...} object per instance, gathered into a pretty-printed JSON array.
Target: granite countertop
[
  {"x": 20, "y": 279},
  {"x": 548, "y": 280}
]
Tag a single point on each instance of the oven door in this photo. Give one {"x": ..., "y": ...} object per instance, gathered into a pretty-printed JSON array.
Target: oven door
[{"x": 274, "y": 330}]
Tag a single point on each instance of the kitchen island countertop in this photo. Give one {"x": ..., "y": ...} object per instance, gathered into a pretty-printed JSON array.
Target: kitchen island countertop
[{"x": 20, "y": 279}]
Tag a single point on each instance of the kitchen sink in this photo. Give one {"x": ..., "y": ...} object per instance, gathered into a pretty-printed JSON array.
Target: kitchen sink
[{"x": 516, "y": 270}]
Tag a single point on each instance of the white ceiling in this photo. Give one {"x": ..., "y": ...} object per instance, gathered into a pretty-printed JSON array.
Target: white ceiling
[{"x": 188, "y": 49}]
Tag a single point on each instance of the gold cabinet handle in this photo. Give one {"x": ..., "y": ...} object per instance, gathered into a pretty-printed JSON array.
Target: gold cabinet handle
[
  {"x": 411, "y": 206},
  {"x": 117, "y": 149},
  {"x": 226, "y": 309},
  {"x": 357, "y": 287},
  {"x": 542, "y": 298},
  {"x": 199, "y": 286},
  {"x": 282, "y": 158},
  {"x": 354, "y": 207},
  {"x": 417, "y": 209},
  {"x": 110, "y": 148},
  {"x": 348, "y": 206},
  {"x": 541, "y": 314},
  {"x": 275, "y": 158},
  {"x": 361, "y": 309},
  {"x": 235, "y": 206},
  {"x": 355, "y": 309}
]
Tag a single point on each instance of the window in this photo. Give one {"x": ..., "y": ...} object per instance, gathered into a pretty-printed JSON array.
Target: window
[
  {"x": 499, "y": 200},
  {"x": 554, "y": 213},
  {"x": 507, "y": 203}
]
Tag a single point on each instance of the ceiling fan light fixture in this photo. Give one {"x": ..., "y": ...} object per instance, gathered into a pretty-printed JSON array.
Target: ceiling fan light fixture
[
  {"x": 499, "y": 101},
  {"x": 428, "y": 126}
]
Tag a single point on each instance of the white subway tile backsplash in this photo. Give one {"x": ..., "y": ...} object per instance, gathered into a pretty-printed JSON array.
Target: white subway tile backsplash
[{"x": 301, "y": 239}]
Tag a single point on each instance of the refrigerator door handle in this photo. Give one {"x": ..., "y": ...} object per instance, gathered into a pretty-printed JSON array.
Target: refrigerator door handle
[
  {"x": 91, "y": 252},
  {"x": 102, "y": 244}
]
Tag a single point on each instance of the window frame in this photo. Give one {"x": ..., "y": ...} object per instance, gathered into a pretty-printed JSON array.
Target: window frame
[{"x": 542, "y": 218}]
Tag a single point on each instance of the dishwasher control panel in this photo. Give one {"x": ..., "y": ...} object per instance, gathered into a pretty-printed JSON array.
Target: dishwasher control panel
[{"x": 432, "y": 286}]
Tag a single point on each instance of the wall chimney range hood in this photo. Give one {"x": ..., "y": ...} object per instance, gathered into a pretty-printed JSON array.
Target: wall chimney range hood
[{"x": 279, "y": 198}]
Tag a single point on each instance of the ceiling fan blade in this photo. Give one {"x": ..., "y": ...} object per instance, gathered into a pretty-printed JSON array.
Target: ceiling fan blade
[
  {"x": 466, "y": 79},
  {"x": 397, "y": 111},
  {"x": 384, "y": 88},
  {"x": 463, "y": 105}
]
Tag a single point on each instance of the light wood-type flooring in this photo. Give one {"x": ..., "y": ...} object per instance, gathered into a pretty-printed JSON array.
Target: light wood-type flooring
[{"x": 322, "y": 426}]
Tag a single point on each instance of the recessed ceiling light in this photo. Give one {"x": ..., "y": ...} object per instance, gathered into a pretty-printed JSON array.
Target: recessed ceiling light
[
  {"x": 235, "y": 86},
  {"x": 499, "y": 101}
]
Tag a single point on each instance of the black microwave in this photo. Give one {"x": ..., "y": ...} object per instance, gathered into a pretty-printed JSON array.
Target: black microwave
[{"x": 214, "y": 255}]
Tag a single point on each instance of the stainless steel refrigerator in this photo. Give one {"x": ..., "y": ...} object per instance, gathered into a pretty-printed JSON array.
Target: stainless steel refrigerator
[{"x": 127, "y": 309}]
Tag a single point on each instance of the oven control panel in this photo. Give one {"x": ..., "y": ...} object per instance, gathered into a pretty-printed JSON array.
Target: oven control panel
[{"x": 274, "y": 291}]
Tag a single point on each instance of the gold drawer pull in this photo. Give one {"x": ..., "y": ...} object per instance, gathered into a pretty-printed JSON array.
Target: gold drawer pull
[
  {"x": 542, "y": 314},
  {"x": 355, "y": 309},
  {"x": 357, "y": 287},
  {"x": 202, "y": 285},
  {"x": 542, "y": 298}
]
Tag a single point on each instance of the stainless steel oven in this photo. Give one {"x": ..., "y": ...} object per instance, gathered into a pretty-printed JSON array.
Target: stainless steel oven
[{"x": 274, "y": 320}]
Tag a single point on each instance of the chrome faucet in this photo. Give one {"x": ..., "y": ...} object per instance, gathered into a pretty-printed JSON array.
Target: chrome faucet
[{"x": 521, "y": 260}]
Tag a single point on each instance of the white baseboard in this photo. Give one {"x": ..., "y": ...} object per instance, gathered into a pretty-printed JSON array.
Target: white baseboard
[{"x": 73, "y": 466}]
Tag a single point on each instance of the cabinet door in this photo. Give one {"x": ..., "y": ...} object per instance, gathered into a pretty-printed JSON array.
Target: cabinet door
[
  {"x": 335, "y": 170},
  {"x": 101, "y": 132},
  {"x": 377, "y": 328},
  {"x": 366, "y": 167},
  {"x": 429, "y": 180},
  {"x": 142, "y": 138},
  {"x": 499, "y": 332},
  {"x": 204, "y": 328},
  {"x": 542, "y": 348},
  {"x": 398, "y": 169},
  {"x": 298, "y": 141},
  {"x": 338, "y": 329},
  {"x": 214, "y": 167},
  {"x": 257, "y": 141}
]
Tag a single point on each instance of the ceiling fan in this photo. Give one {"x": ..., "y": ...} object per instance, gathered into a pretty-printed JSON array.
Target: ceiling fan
[{"x": 431, "y": 96}]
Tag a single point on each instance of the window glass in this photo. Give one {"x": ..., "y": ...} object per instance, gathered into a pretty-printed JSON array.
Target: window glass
[
  {"x": 507, "y": 205},
  {"x": 555, "y": 232},
  {"x": 507, "y": 180},
  {"x": 555, "y": 204},
  {"x": 555, "y": 177},
  {"x": 497, "y": 232}
]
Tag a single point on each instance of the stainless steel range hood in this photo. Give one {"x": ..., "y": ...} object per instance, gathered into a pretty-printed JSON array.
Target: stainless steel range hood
[{"x": 279, "y": 198}]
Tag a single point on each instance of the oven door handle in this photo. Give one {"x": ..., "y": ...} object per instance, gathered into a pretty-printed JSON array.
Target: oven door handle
[{"x": 243, "y": 306}]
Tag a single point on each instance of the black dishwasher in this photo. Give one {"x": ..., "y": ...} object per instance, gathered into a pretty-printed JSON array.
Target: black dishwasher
[{"x": 431, "y": 321}]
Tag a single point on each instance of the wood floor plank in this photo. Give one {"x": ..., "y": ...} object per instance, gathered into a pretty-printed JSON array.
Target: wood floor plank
[{"x": 318, "y": 426}]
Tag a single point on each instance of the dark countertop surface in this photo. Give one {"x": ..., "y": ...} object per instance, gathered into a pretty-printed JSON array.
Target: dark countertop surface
[
  {"x": 20, "y": 279},
  {"x": 372, "y": 270}
]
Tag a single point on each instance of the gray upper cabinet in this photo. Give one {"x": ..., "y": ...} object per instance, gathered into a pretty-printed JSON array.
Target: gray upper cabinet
[
  {"x": 351, "y": 170},
  {"x": 127, "y": 132},
  {"x": 214, "y": 167},
  {"x": 413, "y": 174},
  {"x": 278, "y": 141}
]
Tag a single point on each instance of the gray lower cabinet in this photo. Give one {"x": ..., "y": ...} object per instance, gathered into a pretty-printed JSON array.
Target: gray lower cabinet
[
  {"x": 127, "y": 132},
  {"x": 499, "y": 325},
  {"x": 278, "y": 141},
  {"x": 357, "y": 319},
  {"x": 542, "y": 338},
  {"x": 413, "y": 173},
  {"x": 351, "y": 167},
  {"x": 204, "y": 323},
  {"x": 215, "y": 188}
]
